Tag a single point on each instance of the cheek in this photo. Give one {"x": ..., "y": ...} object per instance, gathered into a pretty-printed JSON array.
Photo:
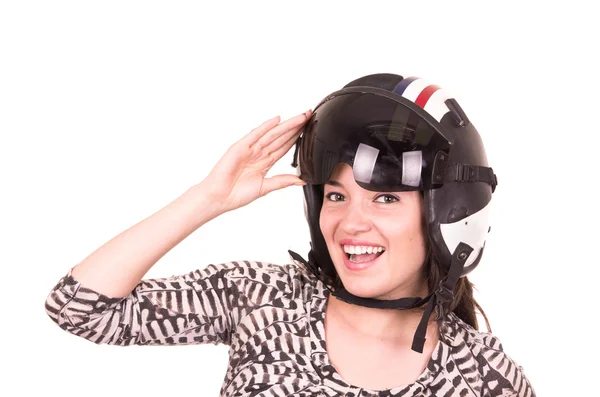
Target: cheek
[
  {"x": 329, "y": 221},
  {"x": 325, "y": 223},
  {"x": 408, "y": 237}
]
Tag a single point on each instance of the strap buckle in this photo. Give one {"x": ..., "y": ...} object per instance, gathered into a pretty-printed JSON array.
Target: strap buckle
[
  {"x": 464, "y": 173},
  {"x": 443, "y": 294},
  {"x": 475, "y": 173}
]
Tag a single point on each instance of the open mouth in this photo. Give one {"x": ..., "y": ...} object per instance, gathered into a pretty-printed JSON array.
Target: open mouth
[{"x": 364, "y": 257}]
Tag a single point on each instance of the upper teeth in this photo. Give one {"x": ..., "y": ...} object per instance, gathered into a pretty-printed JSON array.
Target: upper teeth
[{"x": 357, "y": 250}]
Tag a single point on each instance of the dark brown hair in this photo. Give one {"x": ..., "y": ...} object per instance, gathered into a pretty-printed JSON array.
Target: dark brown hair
[{"x": 463, "y": 303}]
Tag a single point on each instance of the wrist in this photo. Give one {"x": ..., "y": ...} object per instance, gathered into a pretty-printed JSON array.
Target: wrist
[{"x": 205, "y": 204}]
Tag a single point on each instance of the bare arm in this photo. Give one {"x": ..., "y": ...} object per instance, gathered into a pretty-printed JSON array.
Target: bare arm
[
  {"x": 117, "y": 267},
  {"x": 237, "y": 179}
]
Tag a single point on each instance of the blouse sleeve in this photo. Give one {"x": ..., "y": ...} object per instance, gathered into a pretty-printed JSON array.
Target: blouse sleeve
[{"x": 203, "y": 306}]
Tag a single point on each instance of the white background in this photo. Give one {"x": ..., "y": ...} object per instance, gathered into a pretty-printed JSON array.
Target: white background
[{"x": 110, "y": 110}]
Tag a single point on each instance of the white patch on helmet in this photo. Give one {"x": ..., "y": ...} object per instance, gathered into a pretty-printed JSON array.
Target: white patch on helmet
[
  {"x": 364, "y": 163},
  {"x": 471, "y": 230},
  {"x": 412, "y": 163}
]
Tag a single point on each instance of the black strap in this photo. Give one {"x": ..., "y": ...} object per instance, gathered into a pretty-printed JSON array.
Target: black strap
[
  {"x": 402, "y": 303},
  {"x": 472, "y": 173},
  {"x": 344, "y": 295},
  {"x": 443, "y": 294},
  {"x": 419, "y": 338}
]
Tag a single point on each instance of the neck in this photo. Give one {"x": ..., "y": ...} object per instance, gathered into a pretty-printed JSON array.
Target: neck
[{"x": 392, "y": 327}]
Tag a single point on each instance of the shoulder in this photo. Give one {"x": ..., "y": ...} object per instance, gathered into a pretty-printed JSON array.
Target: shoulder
[
  {"x": 275, "y": 275},
  {"x": 480, "y": 357},
  {"x": 460, "y": 332},
  {"x": 259, "y": 281},
  {"x": 279, "y": 276}
]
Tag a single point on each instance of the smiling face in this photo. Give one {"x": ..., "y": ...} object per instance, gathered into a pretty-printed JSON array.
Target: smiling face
[{"x": 353, "y": 218}]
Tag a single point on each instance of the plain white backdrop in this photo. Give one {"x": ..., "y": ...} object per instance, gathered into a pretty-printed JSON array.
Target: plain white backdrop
[{"x": 110, "y": 110}]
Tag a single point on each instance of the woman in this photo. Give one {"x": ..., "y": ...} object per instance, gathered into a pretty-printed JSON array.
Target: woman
[{"x": 396, "y": 186}]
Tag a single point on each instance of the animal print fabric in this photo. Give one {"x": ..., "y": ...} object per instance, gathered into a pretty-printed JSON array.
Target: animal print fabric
[{"x": 272, "y": 317}]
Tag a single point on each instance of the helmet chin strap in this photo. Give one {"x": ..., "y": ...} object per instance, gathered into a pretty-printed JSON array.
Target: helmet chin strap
[{"x": 443, "y": 294}]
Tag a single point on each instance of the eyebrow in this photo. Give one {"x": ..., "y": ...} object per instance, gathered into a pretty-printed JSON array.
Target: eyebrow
[{"x": 334, "y": 183}]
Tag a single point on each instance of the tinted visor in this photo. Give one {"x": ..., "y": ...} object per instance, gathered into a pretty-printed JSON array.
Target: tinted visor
[{"x": 389, "y": 146}]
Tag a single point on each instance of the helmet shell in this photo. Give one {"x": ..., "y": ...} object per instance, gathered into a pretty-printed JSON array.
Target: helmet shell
[{"x": 455, "y": 212}]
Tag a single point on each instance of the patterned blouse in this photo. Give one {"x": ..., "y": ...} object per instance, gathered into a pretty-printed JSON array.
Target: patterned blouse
[{"x": 272, "y": 317}]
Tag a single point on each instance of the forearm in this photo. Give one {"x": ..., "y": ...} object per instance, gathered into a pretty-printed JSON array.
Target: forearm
[{"x": 117, "y": 267}]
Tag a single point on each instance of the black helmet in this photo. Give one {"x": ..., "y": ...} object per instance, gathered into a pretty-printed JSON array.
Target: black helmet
[{"x": 401, "y": 134}]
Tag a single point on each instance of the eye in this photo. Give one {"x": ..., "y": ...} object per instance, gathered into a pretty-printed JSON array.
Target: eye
[
  {"x": 391, "y": 199},
  {"x": 338, "y": 196}
]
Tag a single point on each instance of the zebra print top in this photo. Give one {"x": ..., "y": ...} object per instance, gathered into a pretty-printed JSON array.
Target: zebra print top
[{"x": 272, "y": 317}]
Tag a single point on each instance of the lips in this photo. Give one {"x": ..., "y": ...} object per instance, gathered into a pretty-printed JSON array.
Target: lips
[
  {"x": 353, "y": 266},
  {"x": 351, "y": 241}
]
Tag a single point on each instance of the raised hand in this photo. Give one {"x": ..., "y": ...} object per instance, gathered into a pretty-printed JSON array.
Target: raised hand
[{"x": 238, "y": 178}]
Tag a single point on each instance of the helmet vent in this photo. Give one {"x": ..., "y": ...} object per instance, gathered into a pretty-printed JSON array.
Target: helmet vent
[{"x": 364, "y": 163}]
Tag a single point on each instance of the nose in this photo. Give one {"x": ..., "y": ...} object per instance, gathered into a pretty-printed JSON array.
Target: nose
[{"x": 355, "y": 220}]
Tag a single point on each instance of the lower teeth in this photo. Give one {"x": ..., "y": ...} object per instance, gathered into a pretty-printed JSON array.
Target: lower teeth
[{"x": 354, "y": 257}]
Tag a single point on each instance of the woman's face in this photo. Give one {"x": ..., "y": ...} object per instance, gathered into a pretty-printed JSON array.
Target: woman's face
[{"x": 352, "y": 216}]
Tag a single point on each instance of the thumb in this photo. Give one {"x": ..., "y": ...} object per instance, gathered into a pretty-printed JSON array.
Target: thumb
[{"x": 279, "y": 182}]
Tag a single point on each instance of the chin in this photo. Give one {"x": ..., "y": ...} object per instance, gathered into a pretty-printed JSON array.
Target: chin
[
  {"x": 366, "y": 288},
  {"x": 379, "y": 286}
]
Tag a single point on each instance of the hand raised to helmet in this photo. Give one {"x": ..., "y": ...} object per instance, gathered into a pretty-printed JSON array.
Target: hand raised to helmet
[{"x": 238, "y": 178}]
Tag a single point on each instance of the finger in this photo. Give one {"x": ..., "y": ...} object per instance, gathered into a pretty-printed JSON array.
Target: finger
[
  {"x": 283, "y": 149},
  {"x": 279, "y": 182},
  {"x": 254, "y": 135},
  {"x": 282, "y": 129},
  {"x": 283, "y": 139}
]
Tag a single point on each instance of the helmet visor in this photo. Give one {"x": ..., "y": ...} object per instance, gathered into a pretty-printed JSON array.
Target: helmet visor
[{"x": 389, "y": 146}]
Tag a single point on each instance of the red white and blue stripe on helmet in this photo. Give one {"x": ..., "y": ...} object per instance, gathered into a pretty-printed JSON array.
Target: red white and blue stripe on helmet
[{"x": 427, "y": 96}]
